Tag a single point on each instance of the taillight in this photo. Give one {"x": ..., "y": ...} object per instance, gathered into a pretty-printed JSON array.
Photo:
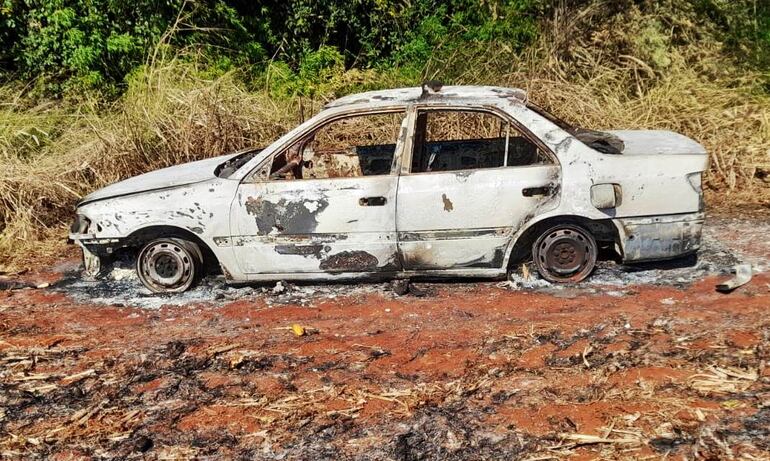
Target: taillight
[{"x": 696, "y": 181}]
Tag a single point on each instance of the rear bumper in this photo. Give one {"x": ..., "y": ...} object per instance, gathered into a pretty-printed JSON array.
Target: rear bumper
[{"x": 654, "y": 238}]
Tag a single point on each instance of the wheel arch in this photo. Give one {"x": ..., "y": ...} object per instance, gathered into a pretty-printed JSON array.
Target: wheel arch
[
  {"x": 139, "y": 237},
  {"x": 603, "y": 230}
]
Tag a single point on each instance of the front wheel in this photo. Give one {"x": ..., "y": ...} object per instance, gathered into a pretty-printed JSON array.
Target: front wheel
[
  {"x": 169, "y": 265},
  {"x": 565, "y": 253}
]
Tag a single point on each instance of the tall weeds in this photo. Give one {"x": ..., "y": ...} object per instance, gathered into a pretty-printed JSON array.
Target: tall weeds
[
  {"x": 168, "y": 116},
  {"x": 627, "y": 74}
]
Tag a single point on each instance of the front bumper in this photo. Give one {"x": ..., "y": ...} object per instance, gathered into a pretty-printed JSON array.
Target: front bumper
[
  {"x": 656, "y": 238},
  {"x": 98, "y": 246}
]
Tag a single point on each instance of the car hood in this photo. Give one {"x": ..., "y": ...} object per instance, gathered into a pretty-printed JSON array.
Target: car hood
[{"x": 174, "y": 176}]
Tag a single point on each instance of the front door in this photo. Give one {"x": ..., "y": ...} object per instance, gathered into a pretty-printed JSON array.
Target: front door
[
  {"x": 326, "y": 204},
  {"x": 473, "y": 181}
]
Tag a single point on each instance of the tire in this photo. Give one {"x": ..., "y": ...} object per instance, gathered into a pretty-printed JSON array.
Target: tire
[
  {"x": 169, "y": 265},
  {"x": 565, "y": 254}
]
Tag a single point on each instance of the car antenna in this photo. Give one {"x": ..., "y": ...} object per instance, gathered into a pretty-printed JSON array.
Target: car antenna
[{"x": 433, "y": 85}]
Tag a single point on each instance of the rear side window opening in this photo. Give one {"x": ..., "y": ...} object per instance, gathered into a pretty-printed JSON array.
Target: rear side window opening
[{"x": 457, "y": 139}]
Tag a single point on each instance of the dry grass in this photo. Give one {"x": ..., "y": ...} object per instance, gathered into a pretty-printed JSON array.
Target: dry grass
[
  {"x": 601, "y": 70},
  {"x": 696, "y": 91},
  {"x": 733, "y": 126},
  {"x": 723, "y": 380},
  {"x": 168, "y": 116}
]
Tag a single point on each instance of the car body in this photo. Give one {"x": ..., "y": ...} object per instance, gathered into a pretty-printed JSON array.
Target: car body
[{"x": 433, "y": 180}]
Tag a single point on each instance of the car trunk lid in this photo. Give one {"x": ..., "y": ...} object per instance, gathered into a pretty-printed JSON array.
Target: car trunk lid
[{"x": 656, "y": 142}]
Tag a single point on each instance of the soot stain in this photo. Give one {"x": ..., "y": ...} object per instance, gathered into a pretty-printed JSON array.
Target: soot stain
[{"x": 290, "y": 217}]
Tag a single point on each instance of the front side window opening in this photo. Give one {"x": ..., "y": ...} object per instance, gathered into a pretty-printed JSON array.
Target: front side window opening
[{"x": 355, "y": 146}]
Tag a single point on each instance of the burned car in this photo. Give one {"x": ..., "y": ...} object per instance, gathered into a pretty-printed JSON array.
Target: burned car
[{"x": 434, "y": 181}]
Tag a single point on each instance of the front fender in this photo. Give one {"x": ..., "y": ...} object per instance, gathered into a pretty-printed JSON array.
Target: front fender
[{"x": 202, "y": 209}]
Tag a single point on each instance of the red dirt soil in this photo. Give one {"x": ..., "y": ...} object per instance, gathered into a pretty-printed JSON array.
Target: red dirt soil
[{"x": 472, "y": 372}]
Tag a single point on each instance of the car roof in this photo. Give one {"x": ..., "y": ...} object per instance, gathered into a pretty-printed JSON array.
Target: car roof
[{"x": 434, "y": 92}]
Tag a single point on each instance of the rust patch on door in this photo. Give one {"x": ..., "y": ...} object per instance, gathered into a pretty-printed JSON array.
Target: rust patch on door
[
  {"x": 447, "y": 203},
  {"x": 349, "y": 261}
]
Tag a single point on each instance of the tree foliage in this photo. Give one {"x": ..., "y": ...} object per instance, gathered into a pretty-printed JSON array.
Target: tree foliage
[
  {"x": 96, "y": 43},
  {"x": 71, "y": 45}
]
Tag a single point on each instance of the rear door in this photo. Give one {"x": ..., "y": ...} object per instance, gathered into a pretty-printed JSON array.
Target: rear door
[
  {"x": 471, "y": 181},
  {"x": 326, "y": 204}
]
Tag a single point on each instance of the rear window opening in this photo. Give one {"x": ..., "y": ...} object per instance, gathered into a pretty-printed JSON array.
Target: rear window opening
[{"x": 606, "y": 143}]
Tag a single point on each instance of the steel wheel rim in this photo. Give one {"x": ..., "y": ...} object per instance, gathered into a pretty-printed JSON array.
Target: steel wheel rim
[
  {"x": 566, "y": 254},
  {"x": 166, "y": 266}
]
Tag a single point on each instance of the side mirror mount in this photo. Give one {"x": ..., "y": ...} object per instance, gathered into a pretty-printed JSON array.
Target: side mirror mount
[{"x": 307, "y": 152}]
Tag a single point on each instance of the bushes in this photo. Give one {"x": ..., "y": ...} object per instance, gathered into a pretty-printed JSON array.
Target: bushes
[
  {"x": 657, "y": 67},
  {"x": 744, "y": 26},
  {"x": 77, "y": 45}
]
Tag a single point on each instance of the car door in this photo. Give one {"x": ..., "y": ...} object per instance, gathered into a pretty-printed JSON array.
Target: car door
[
  {"x": 324, "y": 205},
  {"x": 471, "y": 181}
]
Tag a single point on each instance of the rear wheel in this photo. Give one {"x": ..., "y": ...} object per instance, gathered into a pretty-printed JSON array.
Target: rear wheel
[
  {"x": 169, "y": 265},
  {"x": 565, "y": 253}
]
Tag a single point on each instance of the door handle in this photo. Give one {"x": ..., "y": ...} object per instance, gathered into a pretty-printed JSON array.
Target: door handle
[
  {"x": 372, "y": 201},
  {"x": 533, "y": 191}
]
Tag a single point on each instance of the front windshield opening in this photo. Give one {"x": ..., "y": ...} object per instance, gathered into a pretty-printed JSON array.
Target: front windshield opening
[{"x": 231, "y": 166}]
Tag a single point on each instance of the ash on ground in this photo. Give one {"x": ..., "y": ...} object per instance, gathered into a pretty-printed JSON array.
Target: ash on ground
[
  {"x": 726, "y": 242},
  {"x": 121, "y": 287}
]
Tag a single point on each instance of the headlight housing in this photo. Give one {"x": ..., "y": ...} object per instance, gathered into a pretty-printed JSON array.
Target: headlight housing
[{"x": 80, "y": 226}]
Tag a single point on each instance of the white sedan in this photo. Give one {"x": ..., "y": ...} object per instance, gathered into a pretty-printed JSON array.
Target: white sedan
[{"x": 432, "y": 181}]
